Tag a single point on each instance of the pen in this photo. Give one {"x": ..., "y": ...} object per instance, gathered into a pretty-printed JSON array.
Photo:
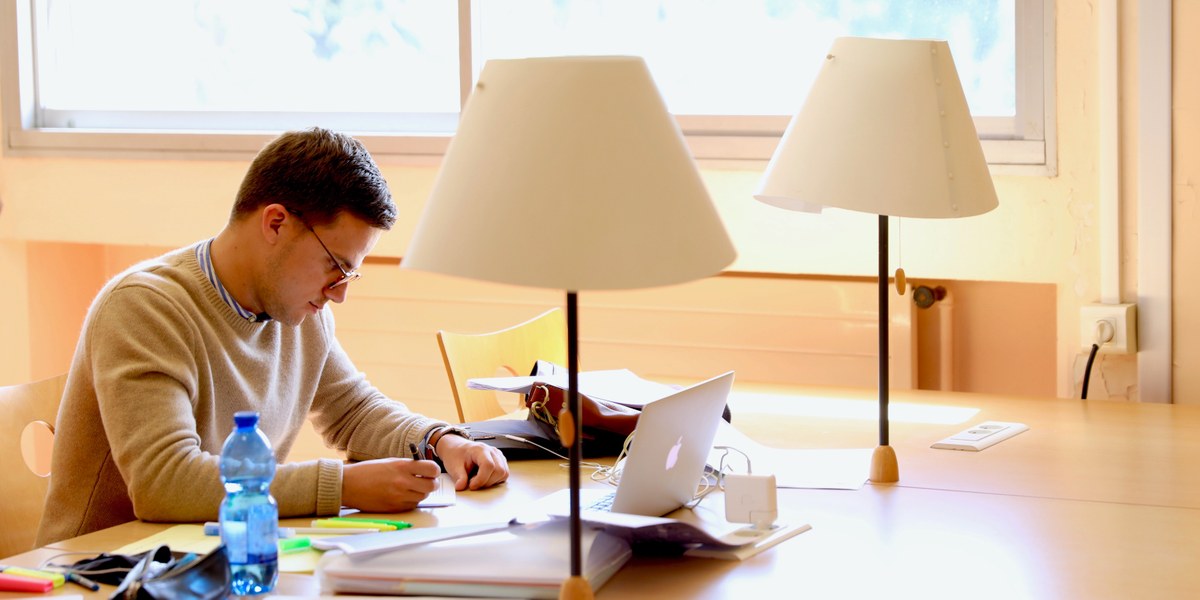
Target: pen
[
  {"x": 78, "y": 579},
  {"x": 287, "y": 532},
  {"x": 335, "y": 530}
]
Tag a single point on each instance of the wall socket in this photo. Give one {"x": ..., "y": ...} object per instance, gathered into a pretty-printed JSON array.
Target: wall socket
[{"x": 1122, "y": 317}]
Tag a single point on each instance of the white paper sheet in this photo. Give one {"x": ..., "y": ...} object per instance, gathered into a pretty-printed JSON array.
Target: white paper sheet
[
  {"x": 617, "y": 385},
  {"x": 839, "y": 469}
]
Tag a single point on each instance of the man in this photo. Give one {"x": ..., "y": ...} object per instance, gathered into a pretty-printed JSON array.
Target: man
[{"x": 173, "y": 347}]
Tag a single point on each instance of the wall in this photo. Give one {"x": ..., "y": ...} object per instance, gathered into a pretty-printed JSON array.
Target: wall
[
  {"x": 1044, "y": 231},
  {"x": 1001, "y": 336},
  {"x": 811, "y": 330},
  {"x": 1186, "y": 178},
  {"x": 63, "y": 278}
]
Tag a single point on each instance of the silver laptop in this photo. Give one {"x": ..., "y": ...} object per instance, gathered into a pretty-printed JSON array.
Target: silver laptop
[{"x": 666, "y": 458}]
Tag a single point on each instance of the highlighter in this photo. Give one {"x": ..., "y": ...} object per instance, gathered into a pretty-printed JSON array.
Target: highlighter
[
  {"x": 20, "y": 583},
  {"x": 336, "y": 523},
  {"x": 295, "y": 544},
  {"x": 55, "y": 579},
  {"x": 374, "y": 522}
]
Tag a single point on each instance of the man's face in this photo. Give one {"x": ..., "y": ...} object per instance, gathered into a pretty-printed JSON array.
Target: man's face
[{"x": 299, "y": 273}]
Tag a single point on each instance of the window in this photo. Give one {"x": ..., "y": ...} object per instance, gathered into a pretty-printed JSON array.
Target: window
[{"x": 221, "y": 75}]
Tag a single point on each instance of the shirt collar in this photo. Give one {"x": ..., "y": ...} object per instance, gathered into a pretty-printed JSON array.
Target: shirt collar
[{"x": 204, "y": 257}]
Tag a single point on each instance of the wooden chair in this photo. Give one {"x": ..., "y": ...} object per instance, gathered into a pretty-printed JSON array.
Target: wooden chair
[
  {"x": 27, "y": 414},
  {"x": 505, "y": 353}
]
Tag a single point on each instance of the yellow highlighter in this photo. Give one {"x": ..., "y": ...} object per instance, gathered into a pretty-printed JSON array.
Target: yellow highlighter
[
  {"x": 351, "y": 524},
  {"x": 56, "y": 578}
]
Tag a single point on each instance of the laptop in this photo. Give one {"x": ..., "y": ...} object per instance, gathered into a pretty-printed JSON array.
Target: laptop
[{"x": 666, "y": 458}]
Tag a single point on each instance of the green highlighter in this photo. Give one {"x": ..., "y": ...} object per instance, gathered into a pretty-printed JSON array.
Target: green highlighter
[
  {"x": 294, "y": 544},
  {"x": 396, "y": 524}
]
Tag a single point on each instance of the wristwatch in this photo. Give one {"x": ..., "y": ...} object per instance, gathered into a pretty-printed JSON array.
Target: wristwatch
[{"x": 428, "y": 447}]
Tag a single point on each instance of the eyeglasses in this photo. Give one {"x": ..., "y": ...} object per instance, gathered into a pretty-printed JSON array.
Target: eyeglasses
[{"x": 347, "y": 276}]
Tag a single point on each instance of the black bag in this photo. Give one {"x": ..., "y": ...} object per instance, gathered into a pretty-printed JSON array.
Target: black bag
[
  {"x": 518, "y": 439},
  {"x": 606, "y": 426},
  {"x": 204, "y": 578}
]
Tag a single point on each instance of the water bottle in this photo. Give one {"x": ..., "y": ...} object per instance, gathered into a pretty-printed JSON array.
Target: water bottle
[{"x": 249, "y": 516}]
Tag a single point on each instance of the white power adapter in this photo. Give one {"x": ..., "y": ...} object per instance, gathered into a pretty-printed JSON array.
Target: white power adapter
[{"x": 750, "y": 499}]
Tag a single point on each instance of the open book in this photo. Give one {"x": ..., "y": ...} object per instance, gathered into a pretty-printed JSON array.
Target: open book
[{"x": 517, "y": 561}]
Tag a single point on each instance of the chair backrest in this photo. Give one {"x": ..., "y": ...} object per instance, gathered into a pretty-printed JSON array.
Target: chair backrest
[
  {"x": 27, "y": 414},
  {"x": 508, "y": 352}
]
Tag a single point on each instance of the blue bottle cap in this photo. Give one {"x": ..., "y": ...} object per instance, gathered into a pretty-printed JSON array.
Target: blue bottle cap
[{"x": 245, "y": 418}]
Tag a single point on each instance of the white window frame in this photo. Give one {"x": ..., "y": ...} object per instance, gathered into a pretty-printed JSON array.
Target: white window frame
[{"x": 729, "y": 141}]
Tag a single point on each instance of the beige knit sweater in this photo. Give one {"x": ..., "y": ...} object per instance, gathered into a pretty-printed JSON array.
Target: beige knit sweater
[{"x": 161, "y": 366}]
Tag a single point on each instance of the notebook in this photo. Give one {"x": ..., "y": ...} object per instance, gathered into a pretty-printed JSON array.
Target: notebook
[
  {"x": 666, "y": 458},
  {"x": 514, "y": 561}
]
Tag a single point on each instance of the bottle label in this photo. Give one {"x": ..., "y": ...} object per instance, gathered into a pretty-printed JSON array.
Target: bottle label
[
  {"x": 250, "y": 531},
  {"x": 262, "y": 528}
]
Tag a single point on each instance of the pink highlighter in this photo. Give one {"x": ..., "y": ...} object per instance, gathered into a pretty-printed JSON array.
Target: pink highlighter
[{"x": 20, "y": 583}]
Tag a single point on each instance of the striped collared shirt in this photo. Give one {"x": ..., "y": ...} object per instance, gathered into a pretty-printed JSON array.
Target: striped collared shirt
[{"x": 204, "y": 257}]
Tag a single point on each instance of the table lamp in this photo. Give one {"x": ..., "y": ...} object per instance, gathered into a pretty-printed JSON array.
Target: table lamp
[
  {"x": 569, "y": 173},
  {"x": 885, "y": 130}
]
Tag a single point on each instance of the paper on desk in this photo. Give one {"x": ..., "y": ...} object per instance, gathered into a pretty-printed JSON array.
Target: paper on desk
[
  {"x": 191, "y": 538},
  {"x": 838, "y": 469},
  {"x": 617, "y": 385},
  {"x": 375, "y": 543},
  {"x": 181, "y": 538}
]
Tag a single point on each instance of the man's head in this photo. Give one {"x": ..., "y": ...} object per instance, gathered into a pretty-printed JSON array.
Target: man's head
[
  {"x": 312, "y": 205},
  {"x": 319, "y": 173}
]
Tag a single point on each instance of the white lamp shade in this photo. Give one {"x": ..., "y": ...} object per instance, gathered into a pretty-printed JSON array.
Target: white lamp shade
[
  {"x": 569, "y": 173},
  {"x": 885, "y": 130}
]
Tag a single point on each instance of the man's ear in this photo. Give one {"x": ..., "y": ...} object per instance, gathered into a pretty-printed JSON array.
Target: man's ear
[{"x": 271, "y": 220}]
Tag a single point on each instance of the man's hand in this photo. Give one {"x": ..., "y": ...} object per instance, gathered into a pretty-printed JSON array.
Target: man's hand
[
  {"x": 388, "y": 485},
  {"x": 471, "y": 464}
]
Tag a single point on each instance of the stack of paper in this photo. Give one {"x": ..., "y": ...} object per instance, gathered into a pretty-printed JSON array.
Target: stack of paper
[{"x": 518, "y": 561}]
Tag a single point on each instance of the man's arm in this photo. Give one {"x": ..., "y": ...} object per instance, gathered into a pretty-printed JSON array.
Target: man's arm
[{"x": 166, "y": 407}]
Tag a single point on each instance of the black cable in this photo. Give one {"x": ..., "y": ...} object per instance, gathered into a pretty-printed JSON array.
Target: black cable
[{"x": 1087, "y": 371}]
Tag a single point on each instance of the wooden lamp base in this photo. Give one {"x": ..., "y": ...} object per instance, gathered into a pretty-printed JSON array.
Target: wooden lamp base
[
  {"x": 576, "y": 588},
  {"x": 884, "y": 468}
]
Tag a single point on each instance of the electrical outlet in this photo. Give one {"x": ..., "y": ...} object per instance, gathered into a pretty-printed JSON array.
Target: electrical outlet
[{"x": 1122, "y": 318}]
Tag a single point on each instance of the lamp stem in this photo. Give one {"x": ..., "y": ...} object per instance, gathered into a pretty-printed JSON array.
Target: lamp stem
[
  {"x": 884, "y": 468},
  {"x": 576, "y": 448},
  {"x": 884, "y": 379},
  {"x": 576, "y": 587}
]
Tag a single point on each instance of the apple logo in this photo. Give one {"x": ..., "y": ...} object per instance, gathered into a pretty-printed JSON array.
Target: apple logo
[{"x": 673, "y": 453}]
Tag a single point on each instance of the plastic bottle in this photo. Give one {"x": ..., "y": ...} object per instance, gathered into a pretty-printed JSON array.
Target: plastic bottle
[{"x": 249, "y": 515}]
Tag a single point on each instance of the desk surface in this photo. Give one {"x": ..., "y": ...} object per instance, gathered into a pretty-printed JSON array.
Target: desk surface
[
  {"x": 1102, "y": 451},
  {"x": 1097, "y": 500}
]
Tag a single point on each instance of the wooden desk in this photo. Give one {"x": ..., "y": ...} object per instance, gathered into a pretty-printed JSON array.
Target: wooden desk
[
  {"x": 1095, "y": 450},
  {"x": 1097, "y": 500}
]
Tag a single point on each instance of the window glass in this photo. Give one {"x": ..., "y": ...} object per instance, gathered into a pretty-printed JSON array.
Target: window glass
[
  {"x": 755, "y": 57},
  {"x": 223, "y": 75},
  {"x": 234, "y": 55}
]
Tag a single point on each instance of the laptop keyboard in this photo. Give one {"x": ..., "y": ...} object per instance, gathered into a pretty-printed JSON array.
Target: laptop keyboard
[{"x": 602, "y": 504}]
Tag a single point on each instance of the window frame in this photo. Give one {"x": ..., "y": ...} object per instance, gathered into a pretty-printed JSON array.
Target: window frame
[{"x": 719, "y": 140}]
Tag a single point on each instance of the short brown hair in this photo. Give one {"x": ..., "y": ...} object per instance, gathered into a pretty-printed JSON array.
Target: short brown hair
[{"x": 318, "y": 173}]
